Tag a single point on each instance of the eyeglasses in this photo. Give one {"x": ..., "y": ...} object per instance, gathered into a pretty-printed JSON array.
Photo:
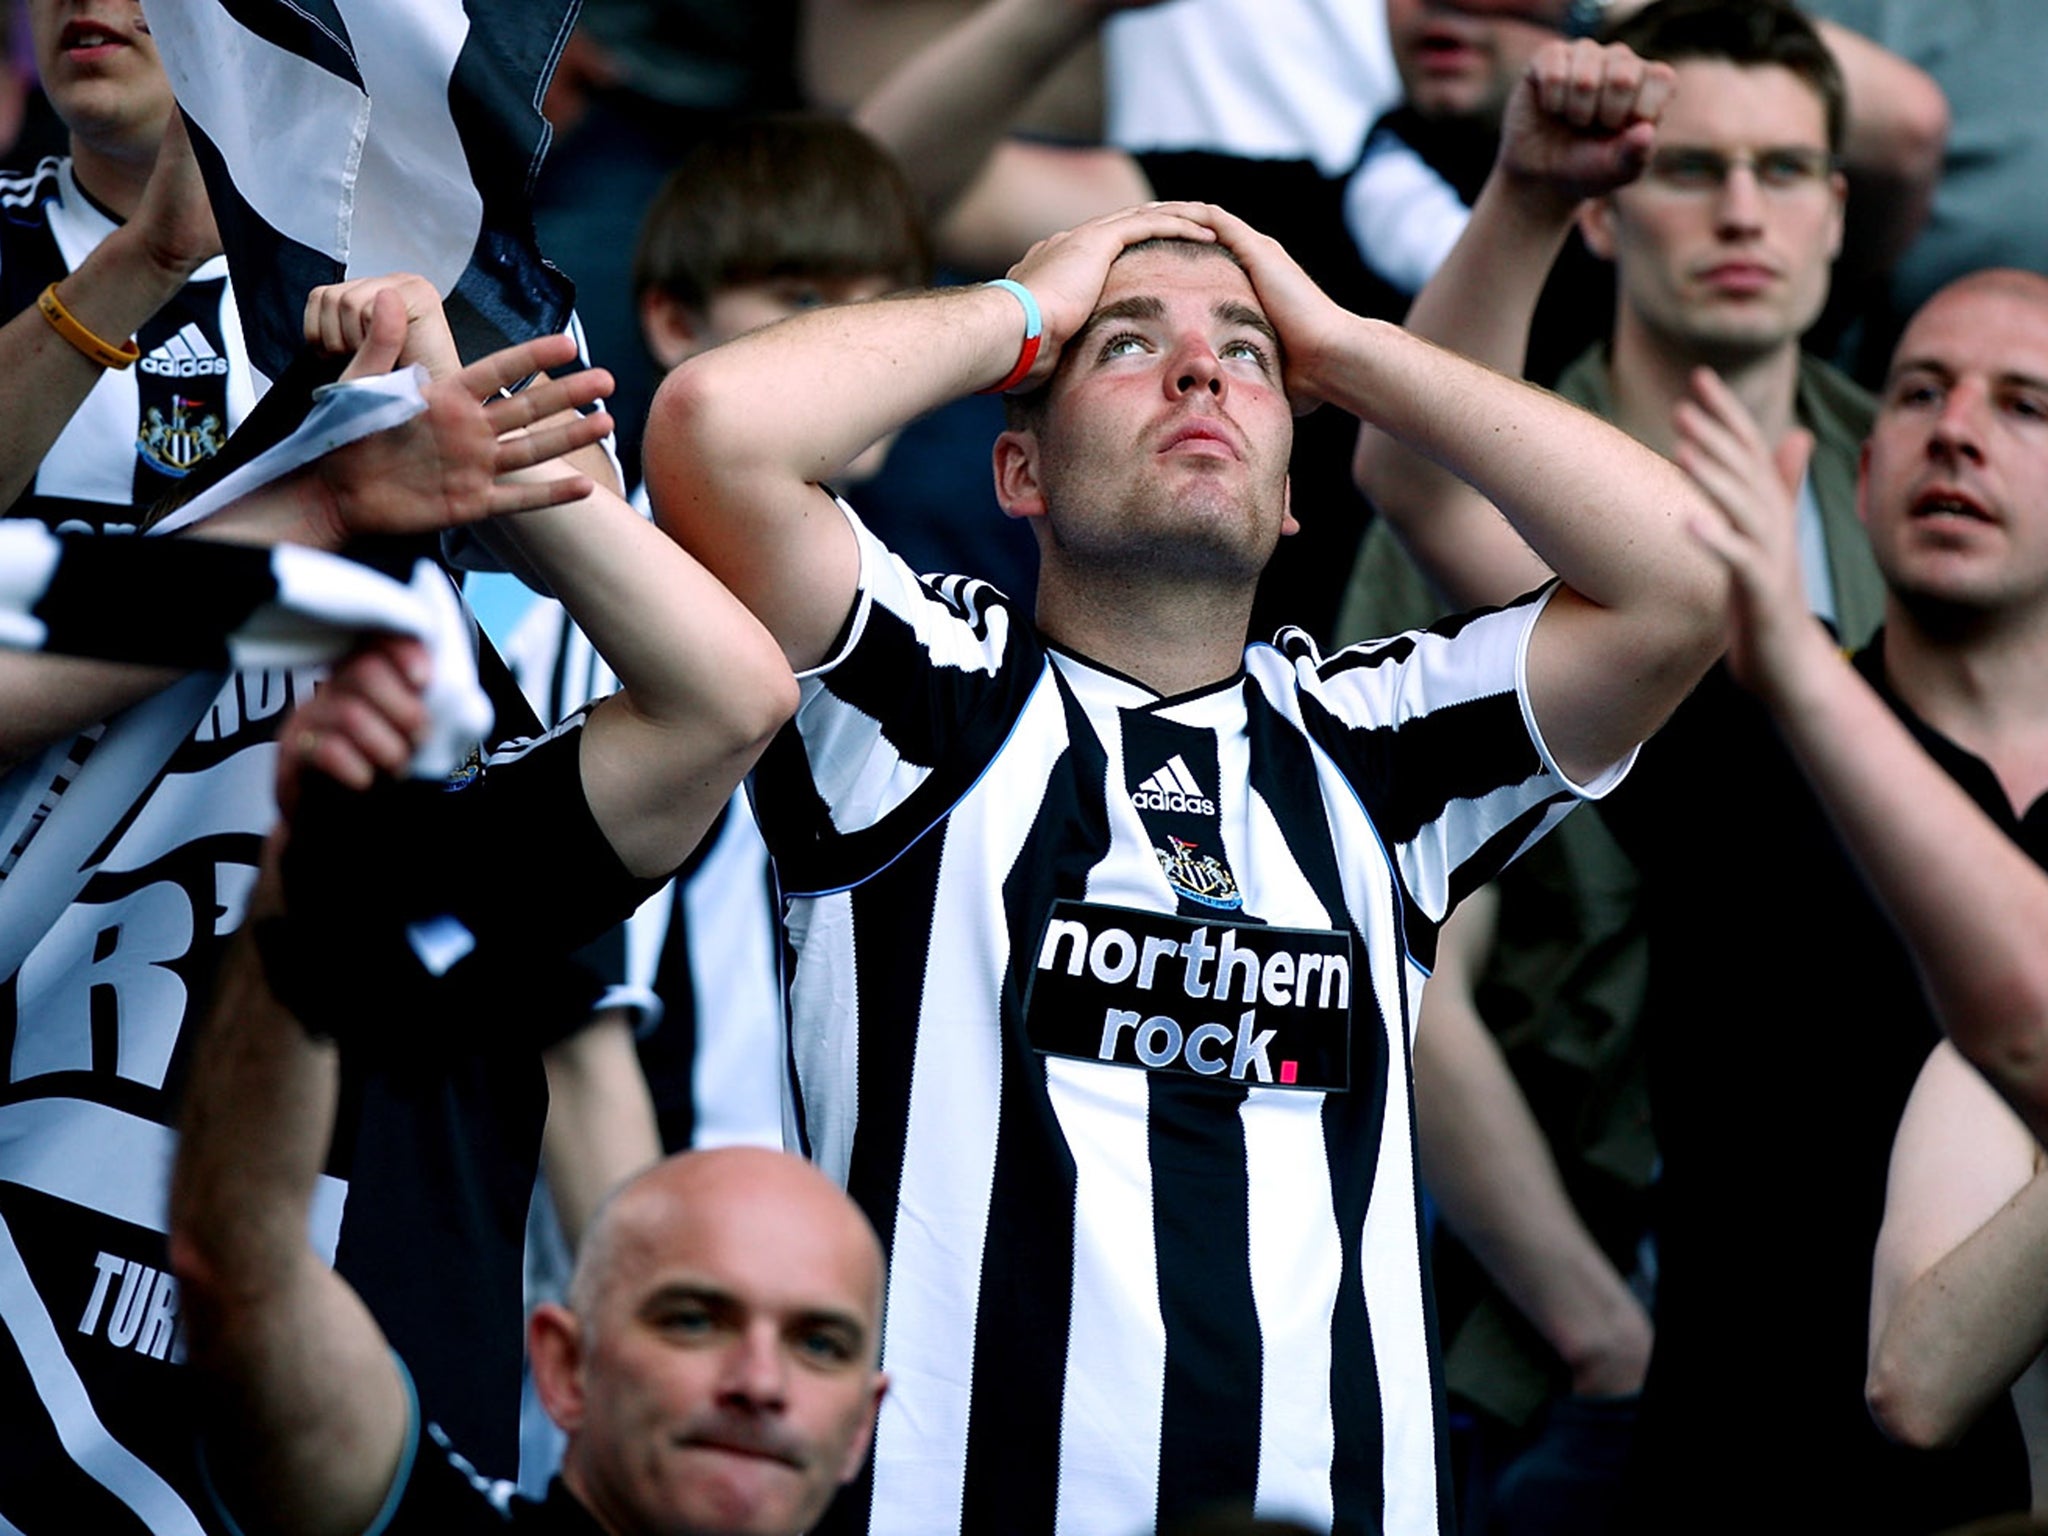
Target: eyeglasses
[{"x": 1790, "y": 169}]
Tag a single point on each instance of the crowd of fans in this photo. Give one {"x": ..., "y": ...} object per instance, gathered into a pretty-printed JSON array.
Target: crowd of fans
[{"x": 763, "y": 1089}]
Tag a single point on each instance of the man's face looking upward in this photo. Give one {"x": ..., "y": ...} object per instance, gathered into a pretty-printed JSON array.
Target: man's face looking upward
[
  {"x": 1164, "y": 437},
  {"x": 1722, "y": 249}
]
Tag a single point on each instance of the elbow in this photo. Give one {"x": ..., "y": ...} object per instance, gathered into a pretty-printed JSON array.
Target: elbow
[
  {"x": 769, "y": 707},
  {"x": 1922, "y": 133},
  {"x": 2000, "y": 1025},
  {"x": 683, "y": 448},
  {"x": 756, "y": 699},
  {"x": 1904, "y": 1410}
]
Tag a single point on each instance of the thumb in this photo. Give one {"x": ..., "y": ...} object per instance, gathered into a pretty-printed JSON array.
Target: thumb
[
  {"x": 382, "y": 338},
  {"x": 1791, "y": 456}
]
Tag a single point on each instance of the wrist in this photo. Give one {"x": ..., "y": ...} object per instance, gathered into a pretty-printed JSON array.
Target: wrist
[
  {"x": 1528, "y": 205},
  {"x": 141, "y": 266},
  {"x": 1031, "y": 339},
  {"x": 123, "y": 281},
  {"x": 1800, "y": 667},
  {"x": 299, "y": 509},
  {"x": 1324, "y": 363}
]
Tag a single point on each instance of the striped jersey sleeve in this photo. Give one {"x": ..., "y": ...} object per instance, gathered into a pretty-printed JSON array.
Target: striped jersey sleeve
[
  {"x": 924, "y": 686},
  {"x": 1435, "y": 731}
]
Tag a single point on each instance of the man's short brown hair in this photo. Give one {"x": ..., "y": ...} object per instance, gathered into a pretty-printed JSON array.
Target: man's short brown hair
[
  {"x": 788, "y": 195},
  {"x": 1749, "y": 33},
  {"x": 1025, "y": 412}
]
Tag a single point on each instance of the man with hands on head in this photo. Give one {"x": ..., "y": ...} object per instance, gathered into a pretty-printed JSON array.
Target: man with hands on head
[{"x": 1107, "y": 928}]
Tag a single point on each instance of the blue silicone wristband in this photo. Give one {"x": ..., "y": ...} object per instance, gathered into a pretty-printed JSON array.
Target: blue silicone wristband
[{"x": 1033, "y": 321}]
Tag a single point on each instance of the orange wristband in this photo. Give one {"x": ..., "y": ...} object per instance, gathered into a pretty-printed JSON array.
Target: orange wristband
[{"x": 94, "y": 348}]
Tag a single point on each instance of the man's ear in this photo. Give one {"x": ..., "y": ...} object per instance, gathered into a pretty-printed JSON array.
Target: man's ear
[
  {"x": 554, "y": 1344},
  {"x": 673, "y": 331},
  {"x": 1863, "y": 484},
  {"x": 857, "y": 1450},
  {"x": 1019, "y": 490},
  {"x": 1838, "y": 188},
  {"x": 1287, "y": 522},
  {"x": 1596, "y": 225}
]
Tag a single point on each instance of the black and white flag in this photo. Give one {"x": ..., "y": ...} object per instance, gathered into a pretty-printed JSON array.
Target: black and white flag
[
  {"x": 350, "y": 138},
  {"x": 192, "y": 603}
]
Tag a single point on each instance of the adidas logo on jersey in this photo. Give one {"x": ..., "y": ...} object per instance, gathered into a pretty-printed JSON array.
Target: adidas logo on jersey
[
  {"x": 1173, "y": 788},
  {"x": 187, "y": 355}
]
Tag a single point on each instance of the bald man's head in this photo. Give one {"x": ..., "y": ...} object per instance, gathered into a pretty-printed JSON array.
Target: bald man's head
[
  {"x": 1954, "y": 492},
  {"x": 716, "y": 1371}
]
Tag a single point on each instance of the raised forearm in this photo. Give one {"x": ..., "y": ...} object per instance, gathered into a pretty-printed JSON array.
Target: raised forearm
[
  {"x": 1602, "y": 511},
  {"x": 601, "y": 1126},
  {"x": 259, "y": 1112},
  {"x": 943, "y": 110},
  {"x": 1893, "y": 145},
  {"x": 798, "y": 400},
  {"x": 306, "y": 1411},
  {"x": 1479, "y": 304},
  {"x": 1972, "y": 906},
  {"x": 740, "y": 436},
  {"x": 111, "y": 293},
  {"x": 703, "y": 685},
  {"x": 682, "y": 647}
]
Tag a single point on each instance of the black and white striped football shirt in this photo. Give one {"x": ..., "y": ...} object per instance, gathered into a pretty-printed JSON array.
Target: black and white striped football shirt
[
  {"x": 1101, "y": 1008},
  {"x": 144, "y": 428}
]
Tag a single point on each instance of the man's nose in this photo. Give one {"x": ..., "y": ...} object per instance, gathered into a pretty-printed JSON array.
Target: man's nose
[
  {"x": 754, "y": 1371},
  {"x": 1739, "y": 204},
  {"x": 1959, "y": 429},
  {"x": 1195, "y": 366}
]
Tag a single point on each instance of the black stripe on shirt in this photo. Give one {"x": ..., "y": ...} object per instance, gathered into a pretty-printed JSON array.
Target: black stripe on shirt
[
  {"x": 889, "y": 999},
  {"x": 1201, "y": 1228},
  {"x": 1023, "y": 1312},
  {"x": 928, "y": 714},
  {"x": 1407, "y": 775},
  {"x": 1283, "y": 776}
]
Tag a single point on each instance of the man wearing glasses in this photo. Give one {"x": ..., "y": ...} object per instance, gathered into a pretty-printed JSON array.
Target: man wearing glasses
[
  {"x": 1782, "y": 1032},
  {"x": 1722, "y": 249}
]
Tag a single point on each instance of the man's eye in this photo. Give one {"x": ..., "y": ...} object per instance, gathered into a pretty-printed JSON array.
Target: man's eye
[
  {"x": 1915, "y": 392},
  {"x": 1789, "y": 167},
  {"x": 1247, "y": 351},
  {"x": 825, "y": 1346},
  {"x": 684, "y": 1320},
  {"x": 1123, "y": 344},
  {"x": 1690, "y": 167},
  {"x": 2033, "y": 407}
]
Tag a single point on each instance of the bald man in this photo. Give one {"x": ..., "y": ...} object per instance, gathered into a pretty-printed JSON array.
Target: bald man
[
  {"x": 716, "y": 1368},
  {"x": 716, "y": 1362}
]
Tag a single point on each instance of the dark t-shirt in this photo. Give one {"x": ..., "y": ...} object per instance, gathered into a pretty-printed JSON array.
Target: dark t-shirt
[
  {"x": 1786, "y": 1027},
  {"x": 437, "y": 1491}
]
